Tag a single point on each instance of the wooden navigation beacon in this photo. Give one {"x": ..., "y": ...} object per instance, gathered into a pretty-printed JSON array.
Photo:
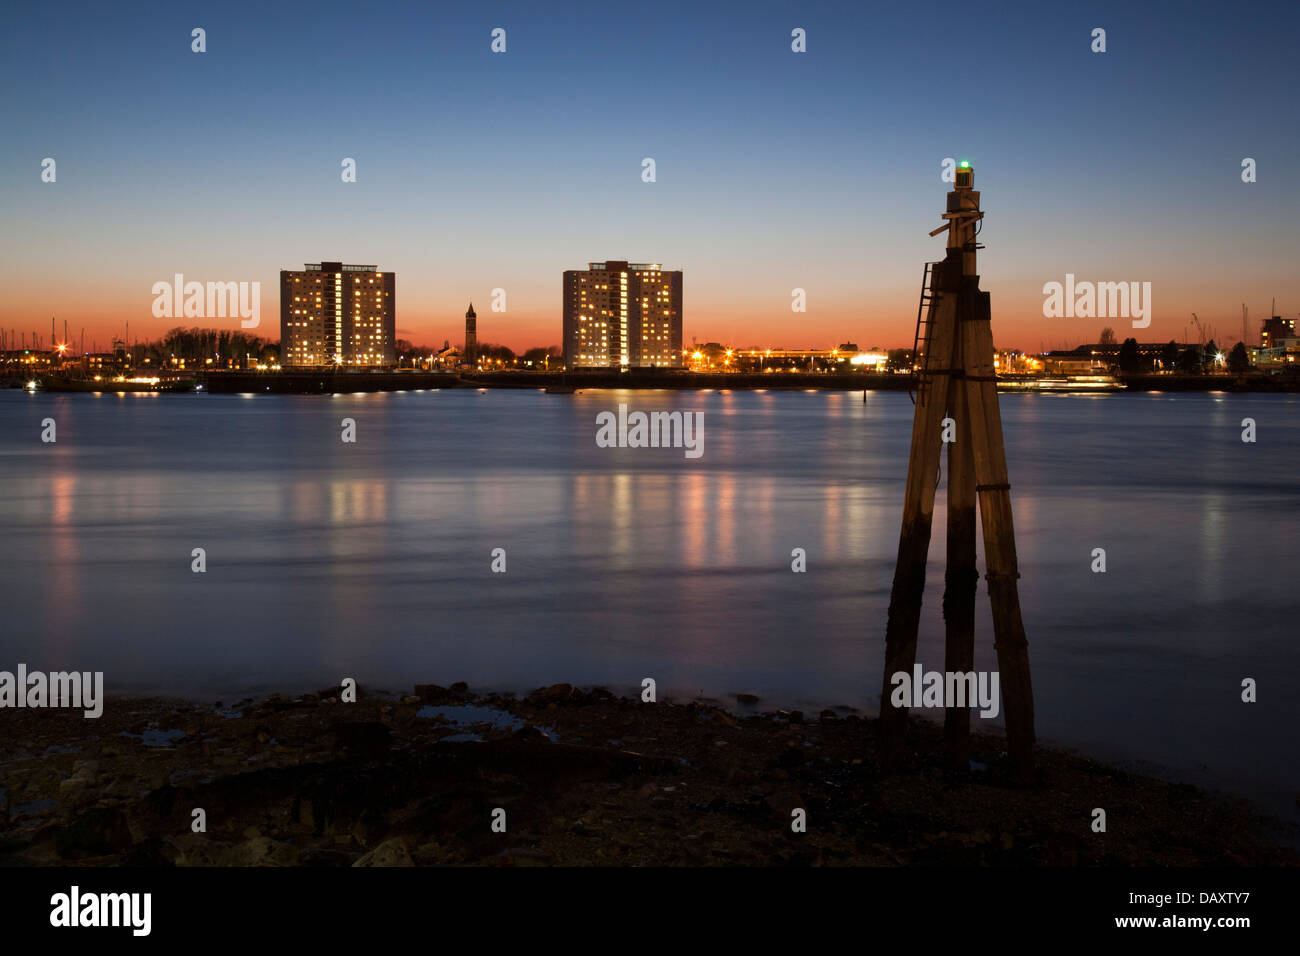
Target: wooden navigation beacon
[{"x": 955, "y": 378}]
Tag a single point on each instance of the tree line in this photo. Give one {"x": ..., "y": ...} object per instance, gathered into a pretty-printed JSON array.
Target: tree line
[
  {"x": 1190, "y": 360},
  {"x": 198, "y": 345}
]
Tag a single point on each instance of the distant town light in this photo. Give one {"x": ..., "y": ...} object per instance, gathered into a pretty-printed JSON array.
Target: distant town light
[{"x": 874, "y": 359}]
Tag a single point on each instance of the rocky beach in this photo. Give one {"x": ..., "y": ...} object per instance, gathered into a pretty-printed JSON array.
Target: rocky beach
[{"x": 583, "y": 777}]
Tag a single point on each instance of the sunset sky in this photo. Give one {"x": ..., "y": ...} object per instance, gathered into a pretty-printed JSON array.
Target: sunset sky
[{"x": 775, "y": 170}]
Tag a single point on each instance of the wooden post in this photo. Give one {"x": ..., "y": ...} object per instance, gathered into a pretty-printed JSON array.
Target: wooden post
[
  {"x": 918, "y": 514},
  {"x": 960, "y": 579},
  {"x": 1002, "y": 572},
  {"x": 959, "y": 346}
]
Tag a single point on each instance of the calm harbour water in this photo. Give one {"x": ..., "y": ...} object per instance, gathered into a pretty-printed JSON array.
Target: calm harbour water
[{"x": 371, "y": 560}]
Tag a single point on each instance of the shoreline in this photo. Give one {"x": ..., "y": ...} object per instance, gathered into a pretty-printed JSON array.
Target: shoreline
[
  {"x": 657, "y": 380},
  {"x": 585, "y": 777},
  {"x": 332, "y": 383},
  {"x": 1275, "y": 803}
]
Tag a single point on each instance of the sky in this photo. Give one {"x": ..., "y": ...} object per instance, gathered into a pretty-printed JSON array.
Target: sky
[{"x": 775, "y": 170}]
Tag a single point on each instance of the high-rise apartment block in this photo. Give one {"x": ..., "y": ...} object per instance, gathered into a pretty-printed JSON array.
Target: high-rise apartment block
[
  {"x": 336, "y": 314},
  {"x": 621, "y": 314}
]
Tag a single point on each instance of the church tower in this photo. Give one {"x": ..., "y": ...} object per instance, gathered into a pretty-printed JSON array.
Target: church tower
[{"x": 471, "y": 336}]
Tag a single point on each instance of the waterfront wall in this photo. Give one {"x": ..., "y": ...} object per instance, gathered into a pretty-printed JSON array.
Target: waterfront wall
[
  {"x": 325, "y": 382},
  {"x": 322, "y": 382}
]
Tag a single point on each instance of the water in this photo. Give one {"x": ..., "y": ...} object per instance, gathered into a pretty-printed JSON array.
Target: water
[{"x": 372, "y": 560}]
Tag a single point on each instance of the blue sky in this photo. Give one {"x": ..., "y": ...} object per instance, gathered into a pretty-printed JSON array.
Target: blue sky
[{"x": 774, "y": 170}]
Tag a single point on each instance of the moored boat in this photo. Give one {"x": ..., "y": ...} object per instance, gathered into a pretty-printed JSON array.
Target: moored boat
[
  {"x": 1059, "y": 383},
  {"x": 115, "y": 383}
]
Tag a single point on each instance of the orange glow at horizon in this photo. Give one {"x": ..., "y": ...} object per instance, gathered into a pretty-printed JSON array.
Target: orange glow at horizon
[{"x": 713, "y": 312}]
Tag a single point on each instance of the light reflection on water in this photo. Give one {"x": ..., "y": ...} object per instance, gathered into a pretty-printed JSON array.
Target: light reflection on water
[{"x": 372, "y": 560}]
